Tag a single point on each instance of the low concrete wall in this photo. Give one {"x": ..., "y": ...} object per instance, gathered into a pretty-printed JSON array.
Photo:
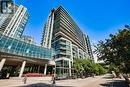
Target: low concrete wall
[{"x": 32, "y": 78}]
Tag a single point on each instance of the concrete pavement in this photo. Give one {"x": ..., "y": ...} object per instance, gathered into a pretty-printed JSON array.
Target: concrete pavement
[{"x": 98, "y": 81}]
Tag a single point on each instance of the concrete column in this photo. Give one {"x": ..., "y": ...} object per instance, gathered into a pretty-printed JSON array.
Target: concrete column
[
  {"x": 22, "y": 69},
  {"x": 45, "y": 69},
  {"x": 2, "y": 63},
  {"x": 69, "y": 67},
  {"x": 38, "y": 68},
  {"x": 71, "y": 53},
  {"x": 51, "y": 30},
  {"x": 78, "y": 52},
  {"x": 31, "y": 69}
]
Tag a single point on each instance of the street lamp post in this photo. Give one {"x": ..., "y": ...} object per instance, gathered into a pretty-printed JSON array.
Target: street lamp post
[{"x": 53, "y": 63}]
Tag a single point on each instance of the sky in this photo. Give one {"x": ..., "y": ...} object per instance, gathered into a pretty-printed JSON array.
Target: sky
[{"x": 96, "y": 18}]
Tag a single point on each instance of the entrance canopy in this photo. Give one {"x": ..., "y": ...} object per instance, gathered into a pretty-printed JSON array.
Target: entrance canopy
[
  {"x": 23, "y": 49},
  {"x": 52, "y": 63}
]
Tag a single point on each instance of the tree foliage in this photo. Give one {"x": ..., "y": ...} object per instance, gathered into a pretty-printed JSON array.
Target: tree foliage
[
  {"x": 87, "y": 66},
  {"x": 116, "y": 50}
]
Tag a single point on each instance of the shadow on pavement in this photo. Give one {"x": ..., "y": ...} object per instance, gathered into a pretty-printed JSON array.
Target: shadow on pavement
[
  {"x": 116, "y": 83},
  {"x": 42, "y": 85}
]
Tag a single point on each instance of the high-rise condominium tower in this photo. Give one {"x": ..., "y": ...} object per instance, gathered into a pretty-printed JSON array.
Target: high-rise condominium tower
[
  {"x": 63, "y": 34},
  {"x": 48, "y": 29},
  {"x": 12, "y": 24}
]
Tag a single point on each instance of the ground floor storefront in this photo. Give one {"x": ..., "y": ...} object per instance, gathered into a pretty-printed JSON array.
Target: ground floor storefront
[
  {"x": 15, "y": 66},
  {"x": 64, "y": 68}
]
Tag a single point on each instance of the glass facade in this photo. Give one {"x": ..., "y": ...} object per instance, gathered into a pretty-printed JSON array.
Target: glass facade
[
  {"x": 81, "y": 55},
  {"x": 20, "y": 48},
  {"x": 75, "y": 51},
  {"x": 62, "y": 47},
  {"x": 64, "y": 23},
  {"x": 62, "y": 68}
]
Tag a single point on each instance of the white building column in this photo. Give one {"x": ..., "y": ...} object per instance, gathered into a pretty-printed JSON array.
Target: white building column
[
  {"x": 22, "y": 69},
  {"x": 72, "y": 53},
  {"x": 38, "y": 68},
  {"x": 2, "y": 63},
  {"x": 45, "y": 69},
  {"x": 78, "y": 52},
  {"x": 69, "y": 67}
]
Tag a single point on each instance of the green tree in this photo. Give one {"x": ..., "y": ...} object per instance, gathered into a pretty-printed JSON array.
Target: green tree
[
  {"x": 84, "y": 66},
  {"x": 78, "y": 66},
  {"x": 116, "y": 50}
]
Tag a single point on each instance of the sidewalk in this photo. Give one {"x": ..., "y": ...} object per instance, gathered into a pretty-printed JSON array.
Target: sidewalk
[
  {"x": 98, "y": 81},
  {"x": 15, "y": 82},
  {"x": 78, "y": 82},
  {"x": 44, "y": 82}
]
